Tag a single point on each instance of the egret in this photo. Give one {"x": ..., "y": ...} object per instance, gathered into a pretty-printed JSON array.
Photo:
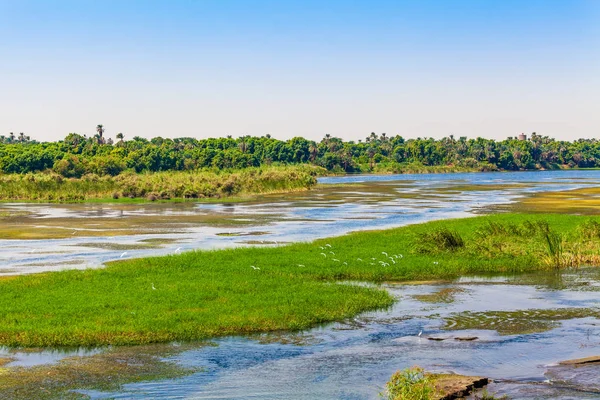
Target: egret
[
  {"x": 324, "y": 255},
  {"x": 327, "y": 245},
  {"x": 153, "y": 288},
  {"x": 321, "y": 247},
  {"x": 332, "y": 253},
  {"x": 123, "y": 254},
  {"x": 435, "y": 263},
  {"x": 420, "y": 333},
  {"x": 301, "y": 265},
  {"x": 359, "y": 259},
  {"x": 335, "y": 259},
  {"x": 254, "y": 268},
  {"x": 345, "y": 263},
  {"x": 384, "y": 253},
  {"x": 178, "y": 250}
]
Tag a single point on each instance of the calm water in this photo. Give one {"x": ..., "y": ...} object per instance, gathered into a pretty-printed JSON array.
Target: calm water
[
  {"x": 351, "y": 359},
  {"x": 97, "y": 233}
]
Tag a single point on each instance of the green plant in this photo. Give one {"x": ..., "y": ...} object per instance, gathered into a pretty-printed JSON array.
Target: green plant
[
  {"x": 409, "y": 384},
  {"x": 440, "y": 239}
]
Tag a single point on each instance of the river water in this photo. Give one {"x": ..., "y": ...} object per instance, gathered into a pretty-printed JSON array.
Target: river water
[
  {"x": 521, "y": 326},
  {"x": 61, "y": 236}
]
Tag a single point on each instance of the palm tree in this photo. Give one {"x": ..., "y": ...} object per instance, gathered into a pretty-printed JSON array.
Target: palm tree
[
  {"x": 120, "y": 136},
  {"x": 21, "y": 137},
  {"x": 100, "y": 130},
  {"x": 313, "y": 150},
  {"x": 11, "y": 137}
]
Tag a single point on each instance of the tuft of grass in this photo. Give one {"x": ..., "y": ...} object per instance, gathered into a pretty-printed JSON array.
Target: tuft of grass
[
  {"x": 442, "y": 239},
  {"x": 409, "y": 384}
]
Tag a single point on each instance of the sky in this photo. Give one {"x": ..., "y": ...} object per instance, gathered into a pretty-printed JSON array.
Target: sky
[{"x": 210, "y": 68}]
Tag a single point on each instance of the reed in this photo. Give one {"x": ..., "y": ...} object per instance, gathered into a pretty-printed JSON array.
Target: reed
[{"x": 158, "y": 186}]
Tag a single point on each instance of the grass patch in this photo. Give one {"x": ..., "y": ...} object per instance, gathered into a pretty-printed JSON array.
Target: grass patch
[
  {"x": 446, "y": 295},
  {"x": 107, "y": 371},
  {"x": 157, "y": 186},
  {"x": 197, "y": 295},
  {"x": 517, "y": 322}
]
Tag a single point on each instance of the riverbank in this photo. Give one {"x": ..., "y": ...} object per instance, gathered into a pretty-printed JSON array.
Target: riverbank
[
  {"x": 204, "y": 294},
  {"x": 172, "y": 185}
]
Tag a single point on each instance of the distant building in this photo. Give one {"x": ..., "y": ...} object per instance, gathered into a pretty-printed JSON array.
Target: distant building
[{"x": 522, "y": 136}]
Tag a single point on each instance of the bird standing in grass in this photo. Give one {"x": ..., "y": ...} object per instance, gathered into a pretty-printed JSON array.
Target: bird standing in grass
[
  {"x": 254, "y": 268},
  {"x": 153, "y": 288}
]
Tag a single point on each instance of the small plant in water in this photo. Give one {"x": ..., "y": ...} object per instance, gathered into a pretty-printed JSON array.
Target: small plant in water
[{"x": 409, "y": 384}]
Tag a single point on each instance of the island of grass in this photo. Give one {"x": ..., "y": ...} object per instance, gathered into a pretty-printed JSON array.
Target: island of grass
[
  {"x": 153, "y": 186},
  {"x": 203, "y": 294}
]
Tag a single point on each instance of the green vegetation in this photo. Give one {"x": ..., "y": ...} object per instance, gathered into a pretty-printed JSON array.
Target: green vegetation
[
  {"x": 157, "y": 186},
  {"x": 107, "y": 371},
  {"x": 410, "y": 384},
  {"x": 416, "y": 384},
  {"x": 202, "y": 294},
  {"x": 78, "y": 155},
  {"x": 517, "y": 322},
  {"x": 445, "y": 295}
]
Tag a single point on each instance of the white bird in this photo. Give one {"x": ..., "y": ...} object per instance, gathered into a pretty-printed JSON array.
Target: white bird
[
  {"x": 327, "y": 245},
  {"x": 324, "y": 255},
  {"x": 254, "y": 268},
  {"x": 74, "y": 232},
  {"x": 400, "y": 255},
  {"x": 153, "y": 288},
  {"x": 436, "y": 263},
  {"x": 385, "y": 264},
  {"x": 384, "y": 253},
  {"x": 394, "y": 261},
  {"x": 345, "y": 263},
  {"x": 335, "y": 259},
  {"x": 123, "y": 254},
  {"x": 359, "y": 259},
  {"x": 373, "y": 258},
  {"x": 332, "y": 253},
  {"x": 301, "y": 265},
  {"x": 321, "y": 247},
  {"x": 178, "y": 250},
  {"x": 420, "y": 333},
  {"x": 372, "y": 263}
]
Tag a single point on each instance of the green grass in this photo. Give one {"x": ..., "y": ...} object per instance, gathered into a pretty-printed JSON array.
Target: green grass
[
  {"x": 214, "y": 293},
  {"x": 172, "y": 185}
]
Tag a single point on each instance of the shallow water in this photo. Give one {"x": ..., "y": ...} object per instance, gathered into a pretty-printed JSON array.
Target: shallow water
[
  {"x": 353, "y": 359},
  {"x": 48, "y": 237}
]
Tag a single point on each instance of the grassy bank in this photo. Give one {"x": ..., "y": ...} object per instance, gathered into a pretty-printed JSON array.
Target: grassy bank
[
  {"x": 198, "y": 295},
  {"x": 157, "y": 186}
]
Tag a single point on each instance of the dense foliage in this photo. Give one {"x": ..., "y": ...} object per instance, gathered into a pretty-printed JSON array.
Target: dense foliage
[{"x": 78, "y": 155}]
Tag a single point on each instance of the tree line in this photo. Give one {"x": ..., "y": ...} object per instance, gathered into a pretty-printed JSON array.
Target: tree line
[{"x": 77, "y": 155}]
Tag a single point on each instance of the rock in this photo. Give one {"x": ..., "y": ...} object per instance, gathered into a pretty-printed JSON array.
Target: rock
[
  {"x": 466, "y": 338},
  {"x": 451, "y": 386}
]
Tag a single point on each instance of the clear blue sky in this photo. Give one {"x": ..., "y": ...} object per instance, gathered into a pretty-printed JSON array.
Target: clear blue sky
[{"x": 300, "y": 68}]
